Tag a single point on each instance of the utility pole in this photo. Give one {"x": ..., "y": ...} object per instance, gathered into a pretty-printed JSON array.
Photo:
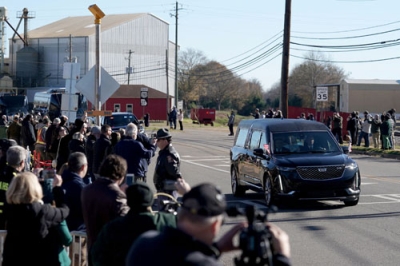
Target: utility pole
[
  {"x": 166, "y": 69},
  {"x": 285, "y": 60},
  {"x": 70, "y": 48},
  {"x": 176, "y": 53},
  {"x": 129, "y": 66}
]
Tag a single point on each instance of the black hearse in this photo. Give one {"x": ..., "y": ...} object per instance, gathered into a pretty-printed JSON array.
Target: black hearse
[{"x": 292, "y": 158}]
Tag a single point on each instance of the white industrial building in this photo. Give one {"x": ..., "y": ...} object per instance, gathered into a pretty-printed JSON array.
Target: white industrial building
[{"x": 140, "y": 41}]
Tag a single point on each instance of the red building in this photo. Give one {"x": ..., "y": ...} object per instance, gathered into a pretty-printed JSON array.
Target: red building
[{"x": 127, "y": 99}]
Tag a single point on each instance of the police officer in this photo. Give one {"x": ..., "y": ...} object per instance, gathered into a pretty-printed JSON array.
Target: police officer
[{"x": 168, "y": 163}]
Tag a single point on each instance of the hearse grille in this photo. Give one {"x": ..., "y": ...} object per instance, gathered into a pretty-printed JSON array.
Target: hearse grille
[{"x": 320, "y": 172}]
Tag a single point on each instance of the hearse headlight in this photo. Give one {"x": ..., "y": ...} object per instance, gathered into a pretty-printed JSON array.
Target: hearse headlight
[
  {"x": 285, "y": 169},
  {"x": 351, "y": 166}
]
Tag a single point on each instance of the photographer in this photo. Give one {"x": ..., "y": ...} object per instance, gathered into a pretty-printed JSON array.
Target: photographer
[{"x": 192, "y": 243}]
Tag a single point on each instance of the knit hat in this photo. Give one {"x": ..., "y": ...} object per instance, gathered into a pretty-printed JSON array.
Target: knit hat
[
  {"x": 95, "y": 130},
  {"x": 204, "y": 200},
  {"x": 139, "y": 195}
]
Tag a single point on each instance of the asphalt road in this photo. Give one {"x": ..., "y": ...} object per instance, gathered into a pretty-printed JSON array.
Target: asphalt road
[{"x": 321, "y": 233}]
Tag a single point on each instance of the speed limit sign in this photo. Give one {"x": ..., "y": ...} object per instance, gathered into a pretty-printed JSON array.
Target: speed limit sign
[{"x": 322, "y": 94}]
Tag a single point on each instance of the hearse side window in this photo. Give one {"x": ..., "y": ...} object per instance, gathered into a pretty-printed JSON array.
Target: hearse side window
[
  {"x": 263, "y": 141},
  {"x": 241, "y": 139},
  {"x": 255, "y": 140}
]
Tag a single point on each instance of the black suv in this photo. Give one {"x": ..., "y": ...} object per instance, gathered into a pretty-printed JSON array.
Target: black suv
[
  {"x": 121, "y": 119},
  {"x": 292, "y": 158}
]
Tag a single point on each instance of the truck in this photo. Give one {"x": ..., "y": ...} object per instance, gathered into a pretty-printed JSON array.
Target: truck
[{"x": 11, "y": 105}]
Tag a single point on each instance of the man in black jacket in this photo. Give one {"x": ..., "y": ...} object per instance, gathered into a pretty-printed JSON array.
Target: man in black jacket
[
  {"x": 102, "y": 148},
  {"x": 168, "y": 163}
]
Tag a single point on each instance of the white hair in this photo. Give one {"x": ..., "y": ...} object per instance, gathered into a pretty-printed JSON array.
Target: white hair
[{"x": 131, "y": 130}]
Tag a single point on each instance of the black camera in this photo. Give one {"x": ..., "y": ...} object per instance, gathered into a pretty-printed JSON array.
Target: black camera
[{"x": 255, "y": 240}]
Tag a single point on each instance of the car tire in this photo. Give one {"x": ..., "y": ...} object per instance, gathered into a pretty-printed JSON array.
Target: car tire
[
  {"x": 351, "y": 202},
  {"x": 267, "y": 191},
  {"x": 237, "y": 190}
]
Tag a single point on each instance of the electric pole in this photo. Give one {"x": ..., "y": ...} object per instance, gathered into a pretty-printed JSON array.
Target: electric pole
[
  {"x": 285, "y": 60},
  {"x": 176, "y": 53},
  {"x": 129, "y": 70}
]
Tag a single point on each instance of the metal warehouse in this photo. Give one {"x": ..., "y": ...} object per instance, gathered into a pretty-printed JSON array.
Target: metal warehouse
[{"x": 134, "y": 50}]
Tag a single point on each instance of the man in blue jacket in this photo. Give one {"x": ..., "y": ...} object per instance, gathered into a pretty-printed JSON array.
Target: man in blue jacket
[
  {"x": 72, "y": 185},
  {"x": 134, "y": 152}
]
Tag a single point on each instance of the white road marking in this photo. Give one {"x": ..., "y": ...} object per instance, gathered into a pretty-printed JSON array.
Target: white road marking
[{"x": 206, "y": 166}]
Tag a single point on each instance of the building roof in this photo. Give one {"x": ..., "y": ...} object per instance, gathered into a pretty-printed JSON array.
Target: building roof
[
  {"x": 133, "y": 91},
  {"x": 373, "y": 81},
  {"x": 81, "y": 26}
]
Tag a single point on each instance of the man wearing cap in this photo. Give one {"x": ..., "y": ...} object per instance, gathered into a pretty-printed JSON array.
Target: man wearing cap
[
  {"x": 192, "y": 243},
  {"x": 116, "y": 237},
  {"x": 168, "y": 163}
]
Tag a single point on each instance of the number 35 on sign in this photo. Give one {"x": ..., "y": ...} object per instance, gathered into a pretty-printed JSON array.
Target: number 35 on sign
[{"x": 322, "y": 94}]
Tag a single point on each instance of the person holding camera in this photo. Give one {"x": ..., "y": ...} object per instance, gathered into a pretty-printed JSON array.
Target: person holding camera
[{"x": 199, "y": 221}]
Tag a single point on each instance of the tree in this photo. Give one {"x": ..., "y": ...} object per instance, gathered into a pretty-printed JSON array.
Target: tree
[
  {"x": 316, "y": 69},
  {"x": 188, "y": 64}
]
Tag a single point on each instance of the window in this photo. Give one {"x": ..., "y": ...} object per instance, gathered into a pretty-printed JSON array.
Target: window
[
  {"x": 117, "y": 107},
  {"x": 241, "y": 139},
  {"x": 255, "y": 140},
  {"x": 129, "y": 108}
]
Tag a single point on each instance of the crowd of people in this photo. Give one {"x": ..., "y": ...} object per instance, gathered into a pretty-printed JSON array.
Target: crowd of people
[{"x": 86, "y": 189}]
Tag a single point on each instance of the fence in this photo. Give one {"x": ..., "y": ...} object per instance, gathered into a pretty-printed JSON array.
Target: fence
[{"x": 76, "y": 251}]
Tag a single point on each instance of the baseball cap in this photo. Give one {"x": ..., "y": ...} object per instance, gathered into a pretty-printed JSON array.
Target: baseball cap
[
  {"x": 163, "y": 133},
  {"x": 139, "y": 195},
  {"x": 204, "y": 200}
]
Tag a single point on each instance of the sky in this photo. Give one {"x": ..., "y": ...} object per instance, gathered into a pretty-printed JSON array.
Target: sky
[{"x": 359, "y": 36}]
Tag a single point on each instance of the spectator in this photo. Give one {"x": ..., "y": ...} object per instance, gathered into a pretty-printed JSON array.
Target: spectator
[
  {"x": 199, "y": 221},
  {"x": 50, "y": 139},
  {"x": 385, "y": 131},
  {"x": 376, "y": 131},
  {"x": 352, "y": 125},
  {"x": 257, "y": 114},
  {"x": 60, "y": 147},
  {"x": 30, "y": 223},
  {"x": 147, "y": 120},
  {"x": 14, "y": 130},
  {"x": 5, "y": 144},
  {"x": 117, "y": 236},
  {"x": 28, "y": 137},
  {"x": 133, "y": 152},
  {"x": 89, "y": 148},
  {"x": 40, "y": 145},
  {"x": 337, "y": 127},
  {"x": 16, "y": 156},
  {"x": 77, "y": 143},
  {"x": 102, "y": 147},
  {"x": 180, "y": 119},
  {"x": 173, "y": 115},
  {"x": 73, "y": 185},
  {"x": 365, "y": 129},
  {"x": 231, "y": 122},
  {"x": 103, "y": 200}
]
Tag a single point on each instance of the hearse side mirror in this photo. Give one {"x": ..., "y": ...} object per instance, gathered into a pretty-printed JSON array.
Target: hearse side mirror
[
  {"x": 345, "y": 149},
  {"x": 260, "y": 152}
]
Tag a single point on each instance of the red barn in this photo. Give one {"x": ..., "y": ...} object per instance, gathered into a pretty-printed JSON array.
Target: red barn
[{"x": 127, "y": 99}]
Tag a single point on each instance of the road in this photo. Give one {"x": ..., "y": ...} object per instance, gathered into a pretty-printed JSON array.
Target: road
[{"x": 321, "y": 233}]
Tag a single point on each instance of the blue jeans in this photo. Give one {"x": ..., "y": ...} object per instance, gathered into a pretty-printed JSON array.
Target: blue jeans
[{"x": 365, "y": 136}]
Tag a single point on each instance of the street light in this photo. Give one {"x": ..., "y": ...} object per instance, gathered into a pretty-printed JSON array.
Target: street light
[{"x": 98, "y": 14}]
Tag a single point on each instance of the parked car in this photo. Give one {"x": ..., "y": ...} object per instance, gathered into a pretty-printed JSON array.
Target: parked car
[
  {"x": 121, "y": 119},
  {"x": 292, "y": 159}
]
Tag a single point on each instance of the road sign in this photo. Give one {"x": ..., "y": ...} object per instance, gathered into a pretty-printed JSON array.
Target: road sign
[
  {"x": 99, "y": 113},
  {"x": 144, "y": 96},
  {"x": 322, "y": 94},
  {"x": 108, "y": 86}
]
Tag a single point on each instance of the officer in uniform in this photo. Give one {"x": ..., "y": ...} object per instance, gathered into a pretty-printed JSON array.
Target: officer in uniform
[{"x": 168, "y": 164}]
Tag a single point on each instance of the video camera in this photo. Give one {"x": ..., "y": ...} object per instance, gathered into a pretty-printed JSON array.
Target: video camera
[{"x": 255, "y": 240}]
